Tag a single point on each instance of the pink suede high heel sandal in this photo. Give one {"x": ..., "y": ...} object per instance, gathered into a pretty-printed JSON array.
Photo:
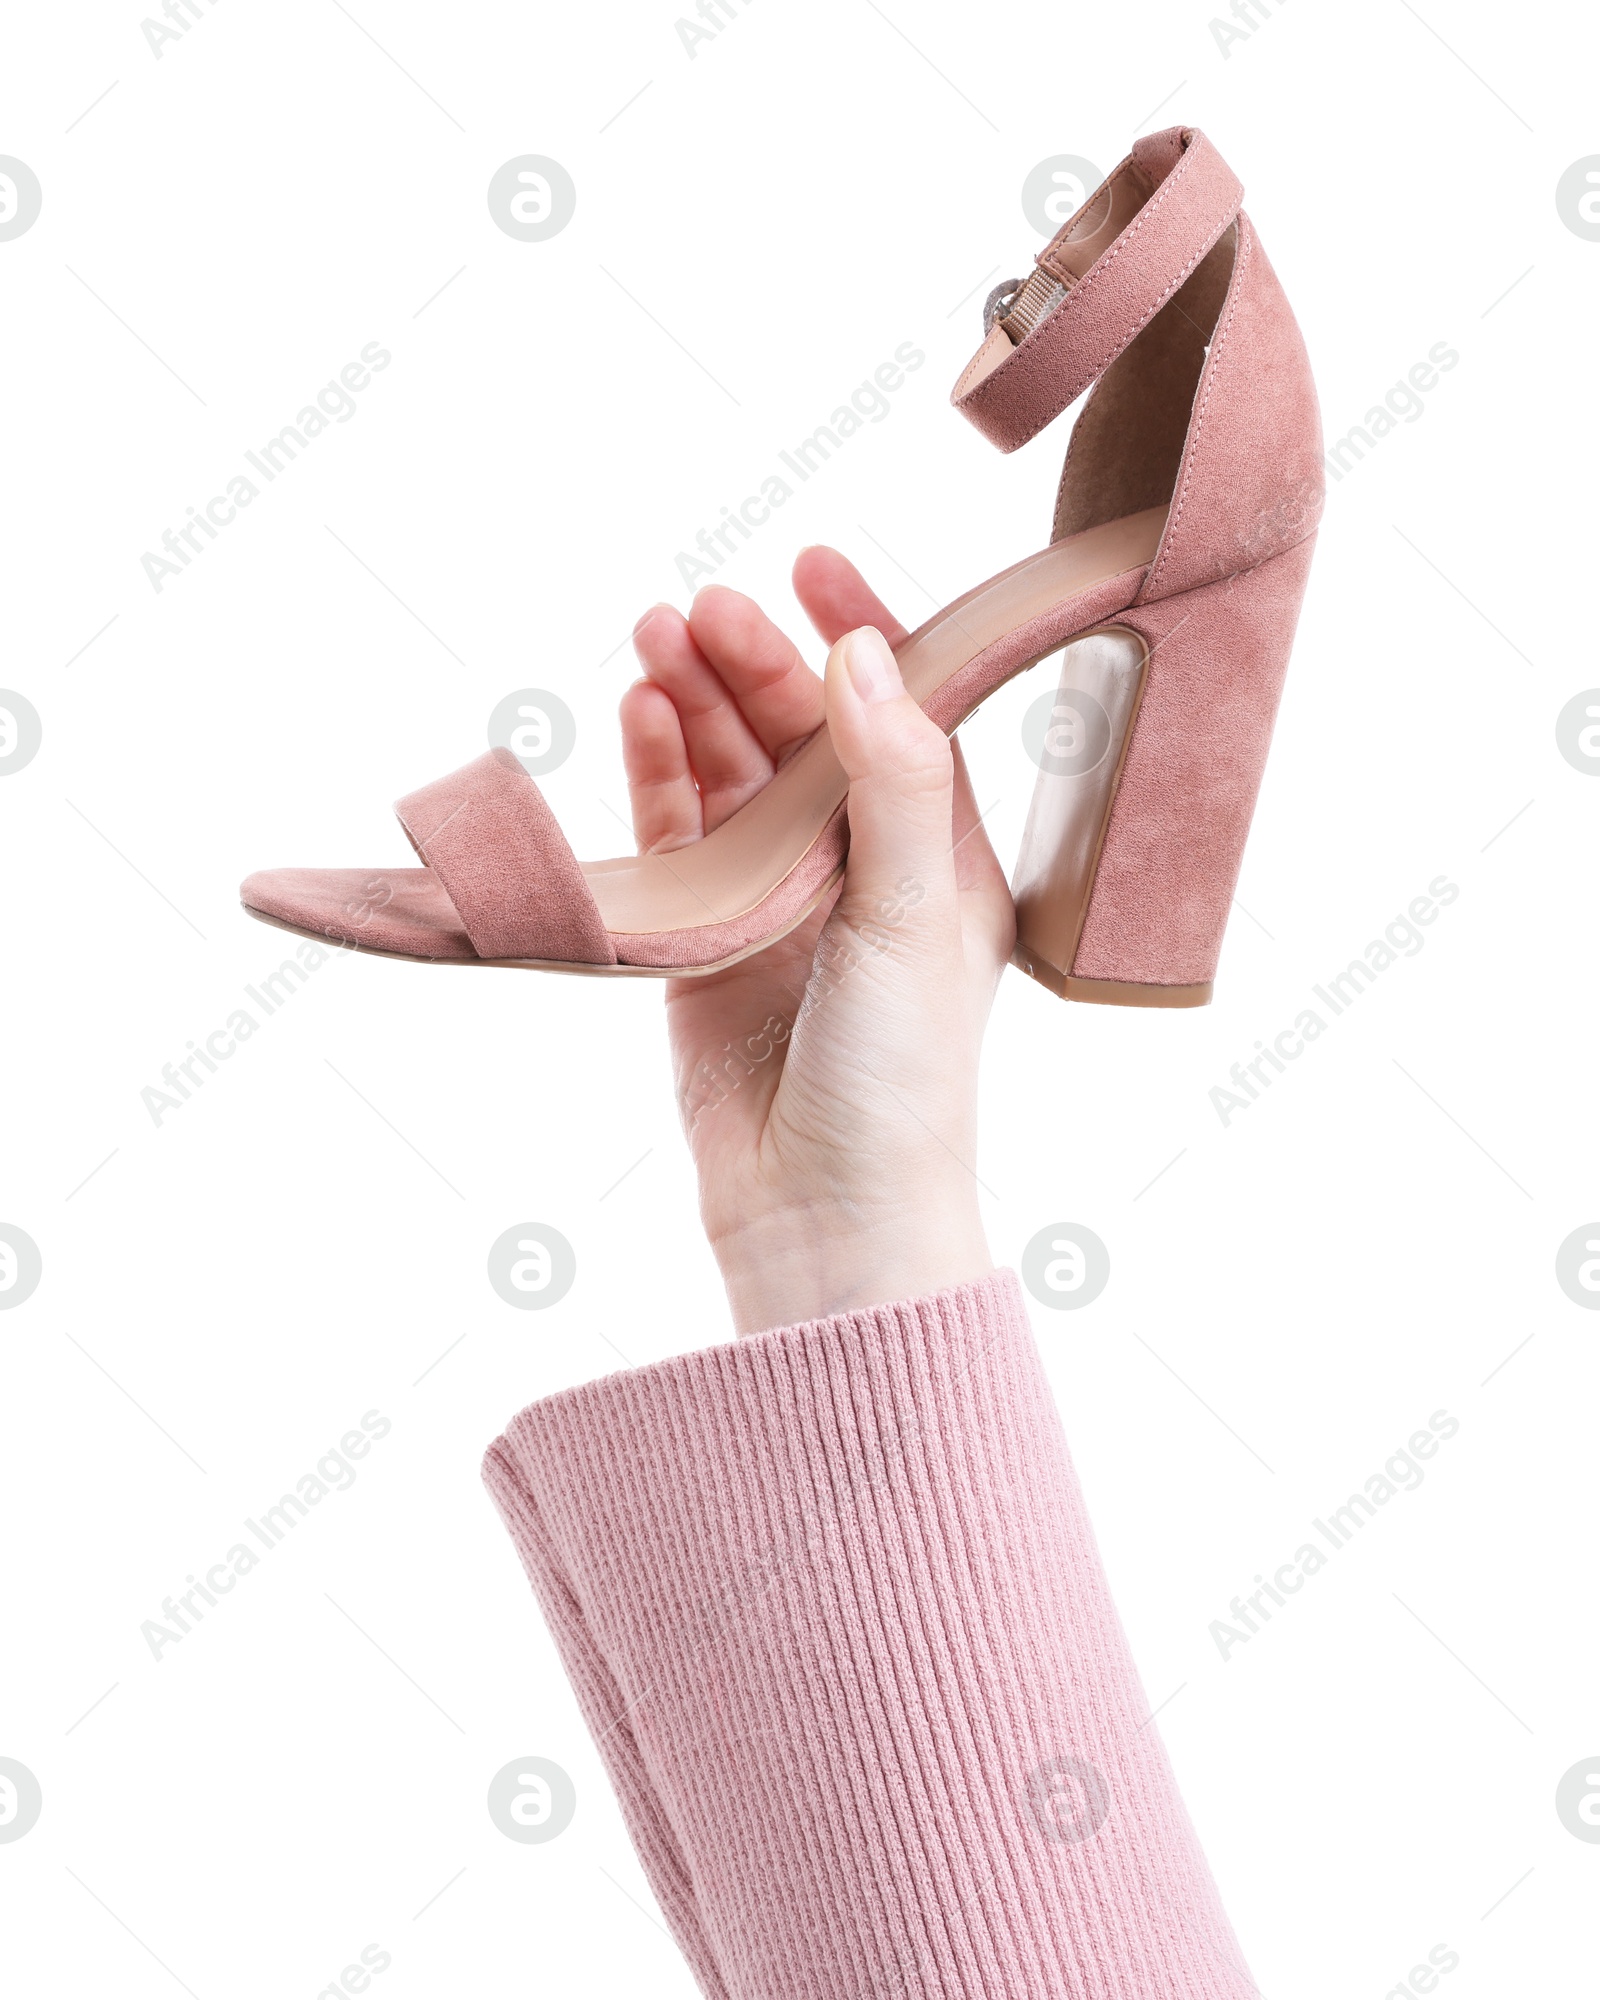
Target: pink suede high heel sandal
[{"x": 1183, "y": 533}]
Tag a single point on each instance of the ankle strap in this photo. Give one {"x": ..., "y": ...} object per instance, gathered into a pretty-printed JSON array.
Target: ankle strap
[{"x": 1097, "y": 284}]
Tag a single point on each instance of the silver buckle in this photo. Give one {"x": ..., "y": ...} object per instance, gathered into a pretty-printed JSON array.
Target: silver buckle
[{"x": 999, "y": 302}]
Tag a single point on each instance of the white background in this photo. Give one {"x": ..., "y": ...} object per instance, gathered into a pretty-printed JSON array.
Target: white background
[{"x": 304, "y": 1774}]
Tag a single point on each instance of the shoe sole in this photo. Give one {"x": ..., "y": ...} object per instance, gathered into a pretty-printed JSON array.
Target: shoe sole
[{"x": 1078, "y": 830}]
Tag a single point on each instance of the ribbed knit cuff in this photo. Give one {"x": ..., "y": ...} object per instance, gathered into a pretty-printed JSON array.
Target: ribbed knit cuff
[{"x": 834, "y": 1611}]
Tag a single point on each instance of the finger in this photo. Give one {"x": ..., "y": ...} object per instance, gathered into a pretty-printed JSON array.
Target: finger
[
  {"x": 837, "y": 598},
  {"x": 976, "y": 864},
  {"x": 662, "y": 794},
  {"x": 901, "y": 788},
  {"x": 727, "y": 759},
  {"x": 760, "y": 665},
  {"x": 988, "y": 915}
]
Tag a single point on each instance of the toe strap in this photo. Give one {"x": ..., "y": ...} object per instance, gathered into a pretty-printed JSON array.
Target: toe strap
[{"x": 486, "y": 832}]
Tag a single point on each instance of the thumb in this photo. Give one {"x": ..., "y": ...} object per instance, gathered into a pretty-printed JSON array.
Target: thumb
[{"x": 900, "y": 769}]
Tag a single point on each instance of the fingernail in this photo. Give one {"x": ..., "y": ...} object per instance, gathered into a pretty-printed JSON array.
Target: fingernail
[{"x": 873, "y": 672}]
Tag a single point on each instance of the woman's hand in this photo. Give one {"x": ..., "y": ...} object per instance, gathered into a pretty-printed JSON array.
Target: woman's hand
[{"x": 828, "y": 1084}]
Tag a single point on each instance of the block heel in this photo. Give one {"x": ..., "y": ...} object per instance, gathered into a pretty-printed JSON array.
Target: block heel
[
  {"x": 1186, "y": 791},
  {"x": 1148, "y": 775}
]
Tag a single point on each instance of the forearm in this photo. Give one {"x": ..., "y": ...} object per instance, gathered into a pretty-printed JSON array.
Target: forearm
[{"x": 834, "y": 1608}]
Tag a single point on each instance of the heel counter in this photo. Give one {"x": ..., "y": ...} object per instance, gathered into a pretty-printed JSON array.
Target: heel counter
[{"x": 1251, "y": 483}]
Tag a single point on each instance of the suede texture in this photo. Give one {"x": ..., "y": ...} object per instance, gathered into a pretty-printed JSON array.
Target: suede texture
[
  {"x": 1020, "y": 648},
  {"x": 1230, "y": 574},
  {"x": 488, "y": 835},
  {"x": 376, "y": 909},
  {"x": 1251, "y": 481},
  {"x": 1182, "y": 810},
  {"x": 1118, "y": 295},
  {"x": 501, "y": 881},
  {"x": 1209, "y": 406},
  {"x": 1127, "y": 445}
]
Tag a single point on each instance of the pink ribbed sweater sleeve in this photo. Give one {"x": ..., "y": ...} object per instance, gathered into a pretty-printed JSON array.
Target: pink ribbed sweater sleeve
[{"x": 834, "y": 1611}]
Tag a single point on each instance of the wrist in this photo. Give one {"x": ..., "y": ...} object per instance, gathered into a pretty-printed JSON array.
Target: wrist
[{"x": 804, "y": 1264}]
